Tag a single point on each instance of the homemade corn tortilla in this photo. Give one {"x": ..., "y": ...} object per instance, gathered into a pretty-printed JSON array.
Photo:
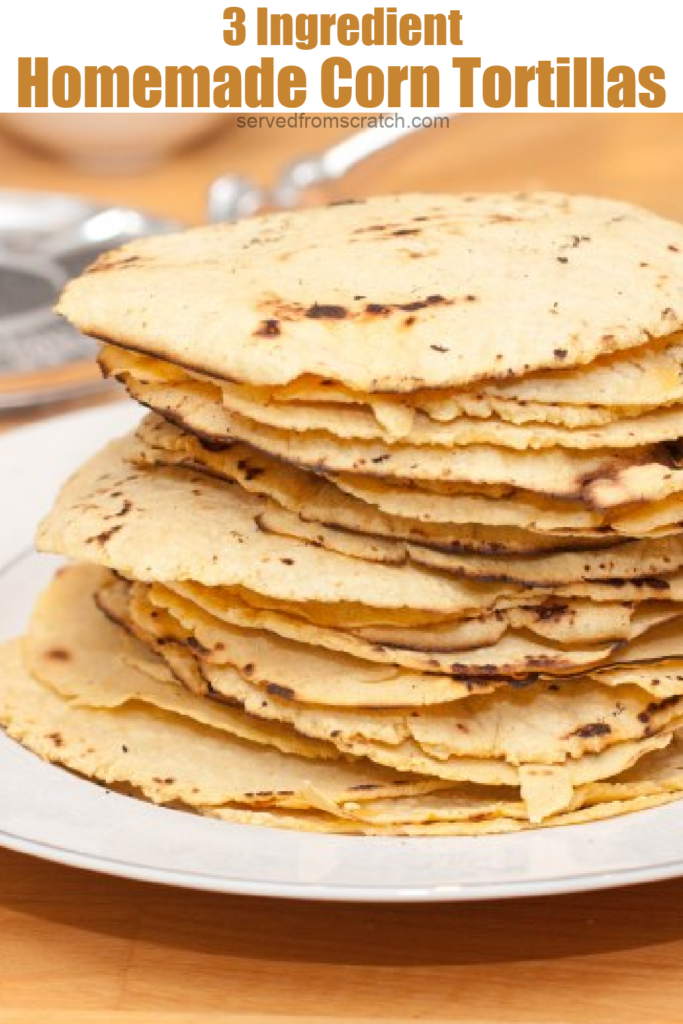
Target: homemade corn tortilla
[
  {"x": 625, "y": 384},
  {"x": 295, "y": 671},
  {"x": 351, "y": 423},
  {"x": 405, "y": 499},
  {"x": 545, "y": 789},
  {"x": 542, "y": 790},
  {"x": 556, "y": 472},
  {"x": 550, "y": 722},
  {"x": 298, "y": 670},
  {"x": 645, "y": 557},
  {"x": 609, "y": 388},
  {"x": 646, "y": 377},
  {"x": 143, "y": 524},
  {"x": 70, "y": 641},
  {"x": 605, "y": 483},
  {"x": 445, "y": 407},
  {"x": 513, "y": 655},
  {"x": 101, "y": 666},
  {"x": 501, "y": 283},
  {"x": 395, "y": 550},
  {"x": 503, "y": 819},
  {"x": 568, "y": 622},
  {"x": 643, "y": 427},
  {"x": 536, "y": 726},
  {"x": 231, "y": 608},
  {"x": 650, "y": 660},
  {"x": 318, "y": 501},
  {"x": 396, "y": 414},
  {"x": 657, "y": 777},
  {"x": 634, "y": 559},
  {"x": 90, "y": 741},
  {"x": 170, "y": 757},
  {"x": 222, "y": 549},
  {"x": 519, "y": 509}
]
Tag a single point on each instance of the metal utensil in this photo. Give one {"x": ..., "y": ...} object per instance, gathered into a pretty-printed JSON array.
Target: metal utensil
[{"x": 231, "y": 196}]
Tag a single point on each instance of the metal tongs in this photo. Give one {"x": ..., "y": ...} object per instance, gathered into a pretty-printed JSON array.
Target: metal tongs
[{"x": 232, "y": 197}]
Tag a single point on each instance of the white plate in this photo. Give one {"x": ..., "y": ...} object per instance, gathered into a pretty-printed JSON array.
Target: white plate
[{"x": 47, "y": 812}]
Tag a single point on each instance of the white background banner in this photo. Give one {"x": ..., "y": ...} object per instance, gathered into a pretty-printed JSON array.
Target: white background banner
[{"x": 612, "y": 47}]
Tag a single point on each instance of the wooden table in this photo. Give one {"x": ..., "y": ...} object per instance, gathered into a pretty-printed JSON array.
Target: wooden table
[{"x": 77, "y": 948}]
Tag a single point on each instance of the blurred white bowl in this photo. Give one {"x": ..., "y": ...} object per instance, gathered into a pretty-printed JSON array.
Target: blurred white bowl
[{"x": 112, "y": 142}]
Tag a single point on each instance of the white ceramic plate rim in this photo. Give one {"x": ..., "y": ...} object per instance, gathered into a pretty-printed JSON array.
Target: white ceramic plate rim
[{"x": 47, "y": 812}]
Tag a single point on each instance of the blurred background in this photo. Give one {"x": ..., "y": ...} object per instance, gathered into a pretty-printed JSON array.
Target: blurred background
[{"x": 128, "y": 174}]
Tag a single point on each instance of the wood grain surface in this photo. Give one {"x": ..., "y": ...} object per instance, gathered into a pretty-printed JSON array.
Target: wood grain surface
[{"x": 77, "y": 947}]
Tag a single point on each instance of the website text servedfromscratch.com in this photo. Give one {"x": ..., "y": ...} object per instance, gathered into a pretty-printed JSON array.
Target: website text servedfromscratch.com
[{"x": 341, "y": 121}]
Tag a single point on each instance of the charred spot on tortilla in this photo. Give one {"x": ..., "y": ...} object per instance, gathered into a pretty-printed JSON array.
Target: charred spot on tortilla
[
  {"x": 326, "y": 312},
  {"x": 268, "y": 329}
]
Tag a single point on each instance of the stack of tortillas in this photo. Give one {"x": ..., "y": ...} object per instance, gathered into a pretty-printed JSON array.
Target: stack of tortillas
[{"x": 399, "y": 548}]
